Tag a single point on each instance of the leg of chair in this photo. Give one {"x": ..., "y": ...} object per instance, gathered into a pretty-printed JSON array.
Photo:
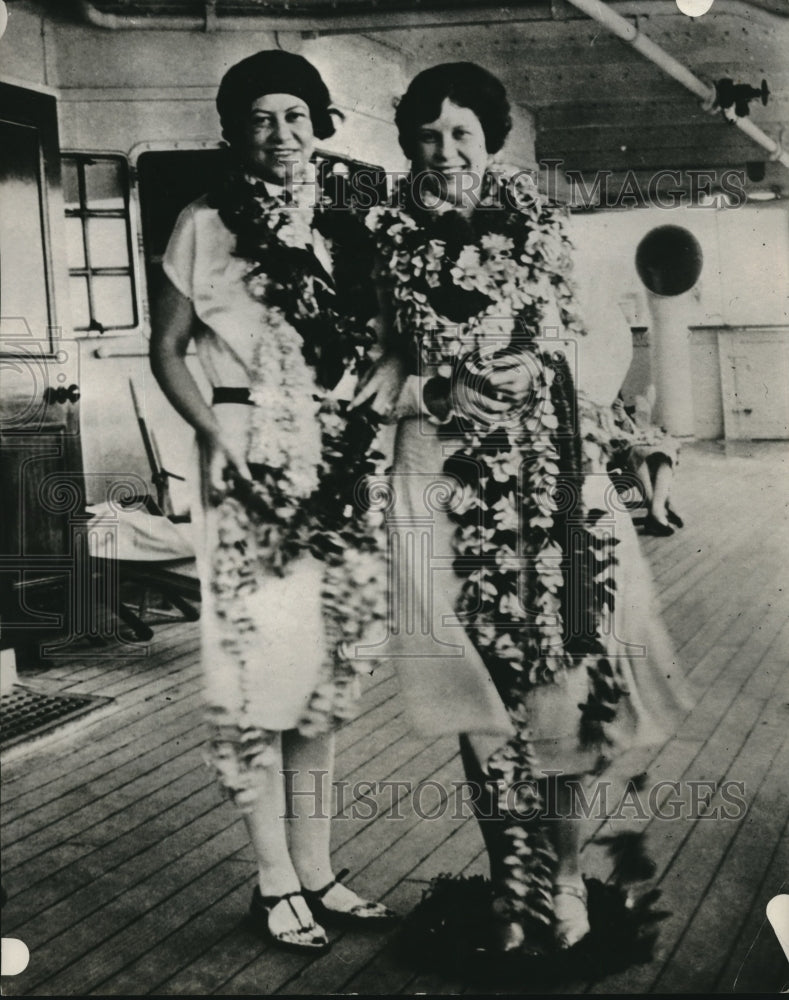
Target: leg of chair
[
  {"x": 190, "y": 613},
  {"x": 141, "y": 631}
]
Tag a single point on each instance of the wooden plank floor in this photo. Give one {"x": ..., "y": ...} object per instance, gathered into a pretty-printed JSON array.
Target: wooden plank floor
[{"x": 128, "y": 874}]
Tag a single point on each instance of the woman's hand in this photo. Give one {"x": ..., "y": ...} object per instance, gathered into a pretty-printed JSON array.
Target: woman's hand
[
  {"x": 511, "y": 383},
  {"x": 222, "y": 462},
  {"x": 382, "y": 386},
  {"x": 495, "y": 385}
]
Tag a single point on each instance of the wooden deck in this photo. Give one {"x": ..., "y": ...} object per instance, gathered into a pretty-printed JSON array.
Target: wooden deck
[{"x": 128, "y": 874}]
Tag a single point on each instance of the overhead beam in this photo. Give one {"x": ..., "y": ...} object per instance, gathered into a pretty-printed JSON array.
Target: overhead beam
[{"x": 442, "y": 15}]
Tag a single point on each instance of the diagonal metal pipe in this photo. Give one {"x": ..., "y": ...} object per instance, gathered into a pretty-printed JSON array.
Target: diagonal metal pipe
[{"x": 629, "y": 33}]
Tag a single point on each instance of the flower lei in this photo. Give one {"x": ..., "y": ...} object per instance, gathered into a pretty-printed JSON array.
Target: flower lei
[
  {"x": 472, "y": 293},
  {"x": 308, "y": 453}
]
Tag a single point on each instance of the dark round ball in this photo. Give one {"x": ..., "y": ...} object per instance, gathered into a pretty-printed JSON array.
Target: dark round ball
[
  {"x": 463, "y": 83},
  {"x": 668, "y": 260},
  {"x": 272, "y": 72}
]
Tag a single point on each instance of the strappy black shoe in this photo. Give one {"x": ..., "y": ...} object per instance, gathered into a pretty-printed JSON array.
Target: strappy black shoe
[
  {"x": 364, "y": 912},
  {"x": 673, "y": 516},
  {"x": 307, "y": 937},
  {"x": 654, "y": 527}
]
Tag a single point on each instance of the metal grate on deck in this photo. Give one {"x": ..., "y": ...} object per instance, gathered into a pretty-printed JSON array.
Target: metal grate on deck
[{"x": 26, "y": 713}]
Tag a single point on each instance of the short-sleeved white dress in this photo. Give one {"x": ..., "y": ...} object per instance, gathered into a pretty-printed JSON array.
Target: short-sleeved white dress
[{"x": 290, "y": 636}]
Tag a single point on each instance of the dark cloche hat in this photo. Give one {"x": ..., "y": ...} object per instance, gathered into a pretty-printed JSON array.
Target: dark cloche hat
[{"x": 273, "y": 72}]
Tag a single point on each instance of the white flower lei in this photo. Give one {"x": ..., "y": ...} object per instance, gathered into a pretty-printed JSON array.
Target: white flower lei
[
  {"x": 284, "y": 432},
  {"x": 284, "y": 429},
  {"x": 509, "y": 278},
  {"x": 511, "y": 273},
  {"x": 292, "y": 420}
]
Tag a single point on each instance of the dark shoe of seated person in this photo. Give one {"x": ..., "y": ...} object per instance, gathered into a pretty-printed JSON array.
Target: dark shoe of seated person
[
  {"x": 654, "y": 527},
  {"x": 336, "y": 902},
  {"x": 673, "y": 516}
]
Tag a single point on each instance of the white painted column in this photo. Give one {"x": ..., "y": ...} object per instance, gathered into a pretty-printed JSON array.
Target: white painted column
[{"x": 669, "y": 338}]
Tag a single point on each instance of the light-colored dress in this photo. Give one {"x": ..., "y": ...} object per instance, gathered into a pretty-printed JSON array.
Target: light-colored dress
[
  {"x": 199, "y": 261},
  {"x": 446, "y": 685}
]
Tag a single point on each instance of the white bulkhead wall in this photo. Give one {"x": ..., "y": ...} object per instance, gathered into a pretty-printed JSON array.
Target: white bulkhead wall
[
  {"x": 744, "y": 283},
  {"x": 121, "y": 88}
]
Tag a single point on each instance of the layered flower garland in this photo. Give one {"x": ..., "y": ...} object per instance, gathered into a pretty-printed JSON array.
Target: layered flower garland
[
  {"x": 309, "y": 454},
  {"x": 469, "y": 297}
]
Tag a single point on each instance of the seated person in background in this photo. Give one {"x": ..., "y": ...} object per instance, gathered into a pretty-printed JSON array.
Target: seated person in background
[{"x": 652, "y": 454}]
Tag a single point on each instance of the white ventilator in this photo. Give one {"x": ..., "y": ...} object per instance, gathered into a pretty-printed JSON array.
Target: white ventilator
[{"x": 669, "y": 262}]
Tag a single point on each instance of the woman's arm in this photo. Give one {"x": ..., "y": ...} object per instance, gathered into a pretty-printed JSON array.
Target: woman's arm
[
  {"x": 384, "y": 383},
  {"x": 173, "y": 326},
  {"x": 382, "y": 386}
]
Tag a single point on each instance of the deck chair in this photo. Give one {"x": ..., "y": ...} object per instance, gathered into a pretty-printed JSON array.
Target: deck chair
[{"x": 147, "y": 545}]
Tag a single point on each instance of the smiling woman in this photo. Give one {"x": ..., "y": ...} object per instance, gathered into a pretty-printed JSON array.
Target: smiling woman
[
  {"x": 280, "y": 136},
  {"x": 535, "y": 639},
  {"x": 449, "y": 127},
  {"x": 273, "y": 73},
  {"x": 453, "y": 149},
  {"x": 268, "y": 292}
]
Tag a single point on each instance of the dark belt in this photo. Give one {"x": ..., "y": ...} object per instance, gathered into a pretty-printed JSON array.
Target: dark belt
[
  {"x": 233, "y": 394},
  {"x": 237, "y": 394}
]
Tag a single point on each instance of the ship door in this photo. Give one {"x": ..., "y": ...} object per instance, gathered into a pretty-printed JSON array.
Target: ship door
[{"x": 40, "y": 471}]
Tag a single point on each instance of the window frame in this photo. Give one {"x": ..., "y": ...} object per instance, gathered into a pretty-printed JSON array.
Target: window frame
[{"x": 127, "y": 212}]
